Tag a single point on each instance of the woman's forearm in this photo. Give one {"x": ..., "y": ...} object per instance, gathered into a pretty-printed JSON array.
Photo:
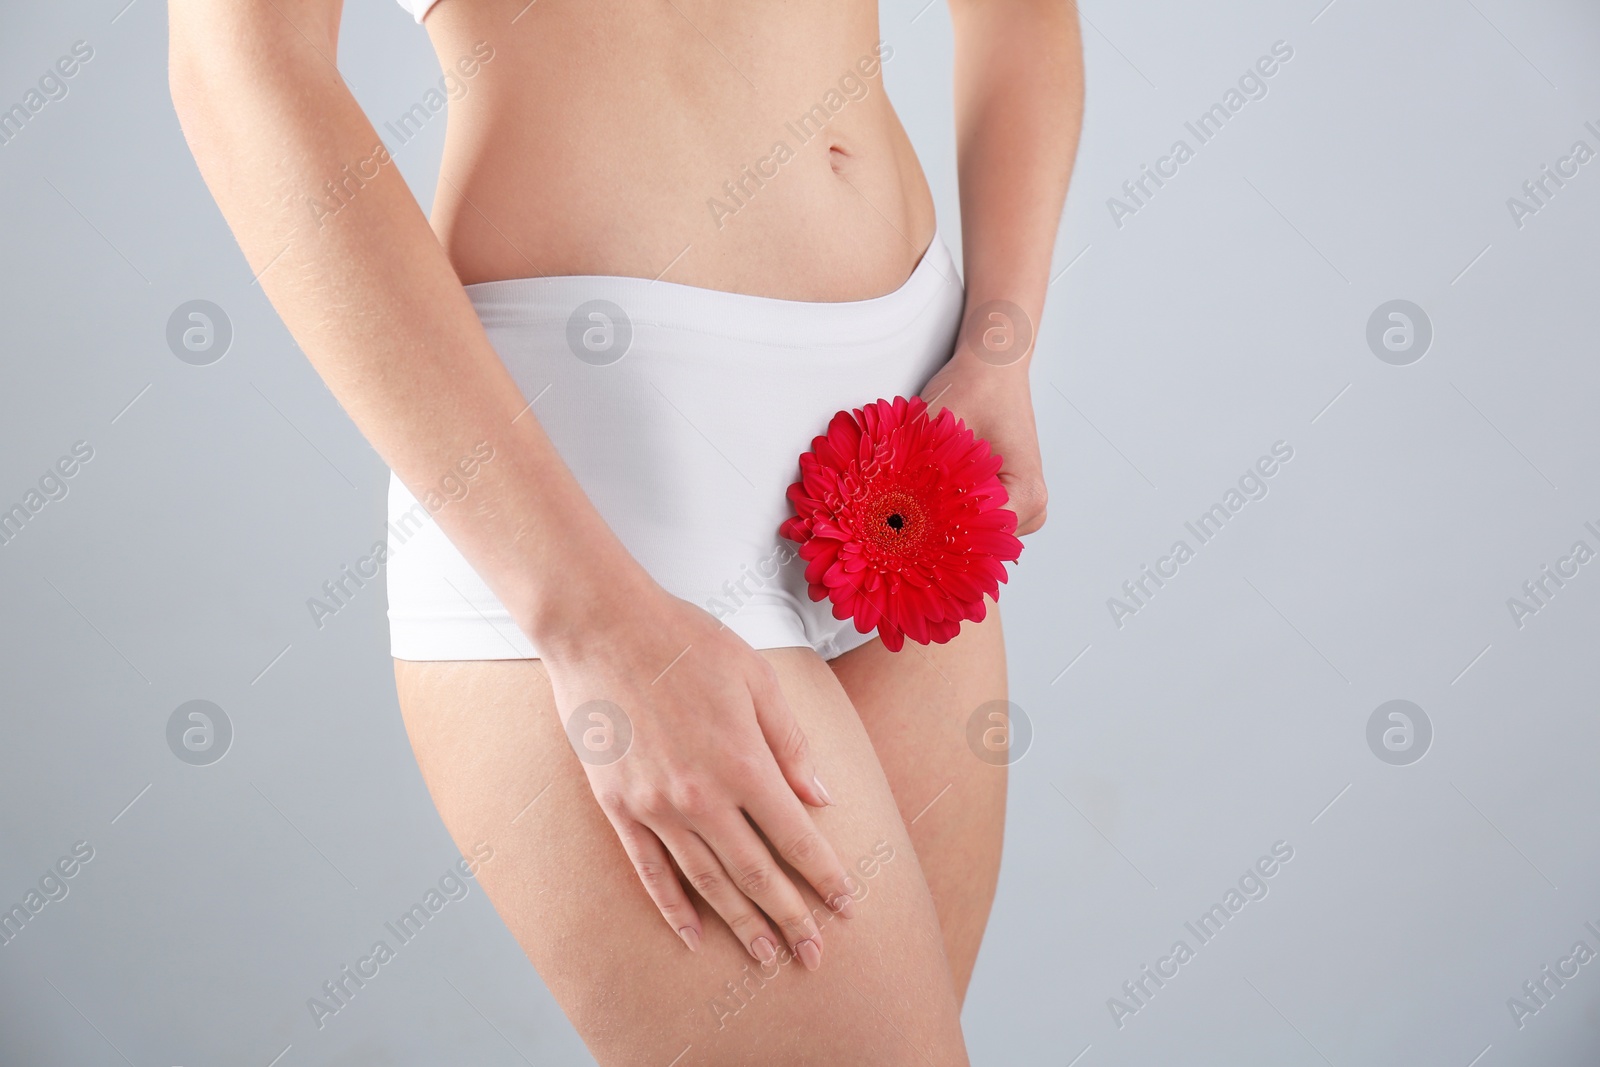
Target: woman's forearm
[
  {"x": 1019, "y": 108},
  {"x": 372, "y": 300}
]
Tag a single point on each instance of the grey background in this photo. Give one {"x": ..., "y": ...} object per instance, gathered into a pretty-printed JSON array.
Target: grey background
[{"x": 1229, "y": 714}]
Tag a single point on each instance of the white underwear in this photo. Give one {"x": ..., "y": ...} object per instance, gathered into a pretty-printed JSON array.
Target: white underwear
[{"x": 682, "y": 412}]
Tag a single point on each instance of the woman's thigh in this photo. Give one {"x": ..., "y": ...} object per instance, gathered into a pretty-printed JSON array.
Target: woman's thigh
[
  {"x": 501, "y": 771},
  {"x": 919, "y": 705}
]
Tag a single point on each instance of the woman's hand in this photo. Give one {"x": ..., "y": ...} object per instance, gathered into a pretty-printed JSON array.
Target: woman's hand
[
  {"x": 712, "y": 742},
  {"x": 994, "y": 400}
]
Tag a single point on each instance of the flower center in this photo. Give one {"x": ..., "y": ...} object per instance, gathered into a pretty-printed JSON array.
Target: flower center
[{"x": 896, "y": 523}]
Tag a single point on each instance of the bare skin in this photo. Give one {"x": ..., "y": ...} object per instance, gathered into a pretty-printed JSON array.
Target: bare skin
[
  {"x": 913, "y": 709},
  {"x": 915, "y": 705},
  {"x": 663, "y": 120},
  {"x": 488, "y": 744},
  {"x": 596, "y": 139}
]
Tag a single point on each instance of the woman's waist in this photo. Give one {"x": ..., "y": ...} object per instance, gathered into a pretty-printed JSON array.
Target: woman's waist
[
  {"x": 807, "y": 190},
  {"x": 776, "y": 221}
]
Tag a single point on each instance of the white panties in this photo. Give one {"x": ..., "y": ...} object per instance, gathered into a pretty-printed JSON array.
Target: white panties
[{"x": 682, "y": 412}]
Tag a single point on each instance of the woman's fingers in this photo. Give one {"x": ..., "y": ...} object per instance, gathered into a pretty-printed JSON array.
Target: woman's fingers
[
  {"x": 679, "y": 805},
  {"x": 758, "y": 876},
  {"x": 710, "y": 879},
  {"x": 788, "y": 825},
  {"x": 660, "y": 880},
  {"x": 781, "y": 817},
  {"x": 1028, "y": 497},
  {"x": 786, "y": 740}
]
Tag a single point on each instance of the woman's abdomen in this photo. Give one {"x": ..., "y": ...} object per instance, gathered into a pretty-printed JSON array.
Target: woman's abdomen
[{"x": 753, "y": 150}]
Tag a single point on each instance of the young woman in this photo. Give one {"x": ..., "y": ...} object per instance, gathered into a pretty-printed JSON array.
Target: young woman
[{"x": 672, "y": 238}]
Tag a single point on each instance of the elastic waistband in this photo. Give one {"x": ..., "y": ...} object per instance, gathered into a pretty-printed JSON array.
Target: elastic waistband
[{"x": 669, "y": 305}]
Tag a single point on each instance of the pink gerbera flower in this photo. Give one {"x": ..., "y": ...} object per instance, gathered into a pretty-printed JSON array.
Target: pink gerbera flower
[{"x": 902, "y": 522}]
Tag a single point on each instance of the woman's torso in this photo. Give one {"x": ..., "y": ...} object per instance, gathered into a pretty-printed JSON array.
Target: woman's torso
[{"x": 741, "y": 147}]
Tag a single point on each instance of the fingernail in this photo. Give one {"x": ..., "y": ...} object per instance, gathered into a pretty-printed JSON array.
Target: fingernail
[
  {"x": 691, "y": 937},
  {"x": 821, "y": 790},
  {"x": 809, "y": 954},
  {"x": 763, "y": 950},
  {"x": 844, "y": 905}
]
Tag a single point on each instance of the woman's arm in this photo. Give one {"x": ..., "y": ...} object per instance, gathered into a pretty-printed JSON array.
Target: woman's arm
[
  {"x": 372, "y": 300},
  {"x": 1019, "y": 107}
]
